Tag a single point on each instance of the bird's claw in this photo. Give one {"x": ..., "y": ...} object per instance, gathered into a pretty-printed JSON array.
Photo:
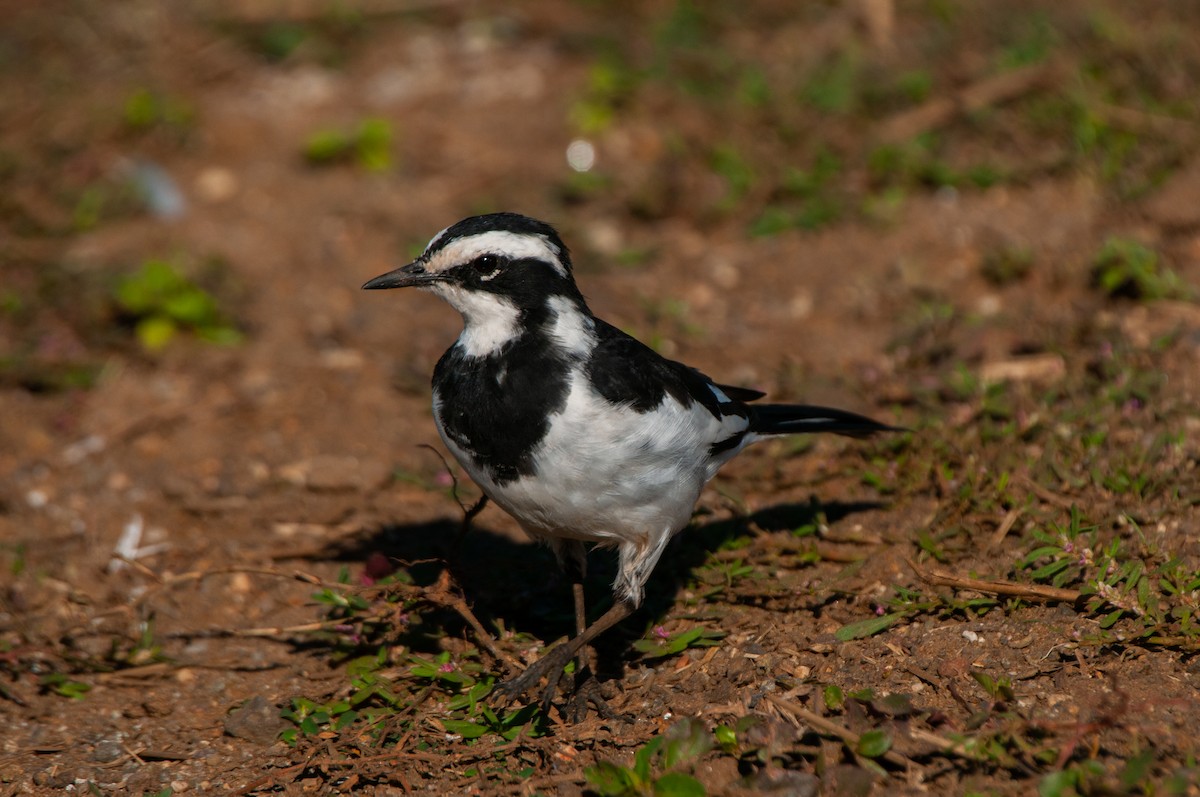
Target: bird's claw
[{"x": 549, "y": 666}]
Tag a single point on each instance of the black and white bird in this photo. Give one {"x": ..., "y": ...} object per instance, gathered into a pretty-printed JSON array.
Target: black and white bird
[{"x": 577, "y": 430}]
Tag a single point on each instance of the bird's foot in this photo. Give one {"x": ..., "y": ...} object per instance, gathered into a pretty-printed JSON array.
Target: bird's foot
[
  {"x": 587, "y": 693},
  {"x": 549, "y": 667},
  {"x": 586, "y": 690}
]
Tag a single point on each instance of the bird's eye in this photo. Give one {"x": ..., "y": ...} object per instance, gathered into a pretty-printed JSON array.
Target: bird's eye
[{"x": 487, "y": 266}]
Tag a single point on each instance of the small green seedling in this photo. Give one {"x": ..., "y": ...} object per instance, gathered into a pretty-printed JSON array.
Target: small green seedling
[
  {"x": 660, "y": 644},
  {"x": 162, "y": 302},
  {"x": 683, "y": 744},
  {"x": 369, "y": 145}
]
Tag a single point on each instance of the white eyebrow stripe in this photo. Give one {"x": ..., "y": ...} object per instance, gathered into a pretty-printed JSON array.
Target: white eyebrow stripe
[
  {"x": 515, "y": 246},
  {"x": 436, "y": 238}
]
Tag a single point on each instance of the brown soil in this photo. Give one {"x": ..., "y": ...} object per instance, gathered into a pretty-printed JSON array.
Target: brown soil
[{"x": 261, "y": 471}]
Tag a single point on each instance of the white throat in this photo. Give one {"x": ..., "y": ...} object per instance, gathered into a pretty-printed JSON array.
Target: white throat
[
  {"x": 489, "y": 321},
  {"x": 573, "y": 330}
]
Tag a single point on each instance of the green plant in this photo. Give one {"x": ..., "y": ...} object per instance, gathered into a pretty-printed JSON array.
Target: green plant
[
  {"x": 908, "y": 603},
  {"x": 369, "y": 145},
  {"x": 834, "y": 87},
  {"x": 611, "y": 83},
  {"x": 64, "y": 686},
  {"x": 161, "y": 302},
  {"x": 1127, "y": 268},
  {"x": 730, "y": 164},
  {"x": 1007, "y": 264},
  {"x": 1158, "y": 595},
  {"x": 656, "y": 766},
  {"x": 661, "y": 644},
  {"x": 145, "y": 109}
]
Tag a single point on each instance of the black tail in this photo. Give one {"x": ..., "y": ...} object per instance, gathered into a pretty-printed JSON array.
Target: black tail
[{"x": 805, "y": 419}]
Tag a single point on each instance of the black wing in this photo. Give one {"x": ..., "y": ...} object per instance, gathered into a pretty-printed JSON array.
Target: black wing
[{"x": 628, "y": 372}]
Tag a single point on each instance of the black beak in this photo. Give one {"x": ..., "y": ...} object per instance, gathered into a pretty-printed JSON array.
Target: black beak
[{"x": 414, "y": 275}]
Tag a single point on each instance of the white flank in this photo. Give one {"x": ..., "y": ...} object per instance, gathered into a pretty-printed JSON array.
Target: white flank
[
  {"x": 573, "y": 330},
  {"x": 609, "y": 475},
  {"x": 514, "y": 246},
  {"x": 489, "y": 320}
]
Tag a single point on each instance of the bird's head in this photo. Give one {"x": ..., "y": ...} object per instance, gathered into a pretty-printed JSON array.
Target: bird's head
[
  {"x": 507, "y": 274},
  {"x": 512, "y": 257}
]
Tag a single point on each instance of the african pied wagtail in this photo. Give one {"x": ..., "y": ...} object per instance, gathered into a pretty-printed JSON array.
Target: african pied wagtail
[{"x": 577, "y": 430}]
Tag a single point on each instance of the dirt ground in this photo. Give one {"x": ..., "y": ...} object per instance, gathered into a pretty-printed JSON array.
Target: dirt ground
[{"x": 233, "y": 560}]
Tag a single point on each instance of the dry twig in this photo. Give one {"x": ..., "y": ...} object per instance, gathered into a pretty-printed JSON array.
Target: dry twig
[
  {"x": 982, "y": 94},
  {"x": 1034, "y": 592},
  {"x": 831, "y": 728}
]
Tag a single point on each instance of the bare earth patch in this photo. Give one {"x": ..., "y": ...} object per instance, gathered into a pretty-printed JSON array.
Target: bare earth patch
[{"x": 234, "y": 560}]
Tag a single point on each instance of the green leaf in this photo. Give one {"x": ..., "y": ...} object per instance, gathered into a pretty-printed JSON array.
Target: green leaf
[
  {"x": 611, "y": 780},
  {"x": 642, "y": 758},
  {"x": 866, "y": 628},
  {"x": 894, "y": 705},
  {"x": 677, "y": 784},
  {"x": 1137, "y": 769},
  {"x": 677, "y": 643},
  {"x": 873, "y": 744},
  {"x": 63, "y": 686},
  {"x": 834, "y": 697},
  {"x": 1045, "y": 571},
  {"x": 1056, "y": 783},
  {"x": 687, "y": 740},
  {"x": 191, "y": 306},
  {"x": 326, "y": 146},
  {"x": 155, "y": 332},
  {"x": 465, "y": 728}
]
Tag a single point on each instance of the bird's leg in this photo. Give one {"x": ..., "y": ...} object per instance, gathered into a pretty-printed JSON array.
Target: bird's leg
[
  {"x": 584, "y": 680},
  {"x": 573, "y": 558},
  {"x": 550, "y": 666},
  {"x": 580, "y": 624}
]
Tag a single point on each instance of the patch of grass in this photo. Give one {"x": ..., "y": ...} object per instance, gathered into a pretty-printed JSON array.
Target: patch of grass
[
  {"x": 908, "y": 603},
  {"x": 805, "y": 199},
  {"x": 1006, "y": 265},
  {"x": 657, "y": 766},
  {"x": 1129, "y": 269},
  {"x": 64, "y": 686},
  {"x": 161, "y": 302},
  {"x": 369, "y": 145},
  {"x": 1035, "y": 39},
  {"x": 327, "y": 38},
  {"x": 920, "y": 164},
  {"x": 739, "y": 176},
  {"x": 611, "y": 83},
  {"x": 1136, "y": 593},
  {"x": 834, "y": 87},
  {"x": 145, "y": 109},
  {"x": 380, "y": 696},
  {"x": 279, "y": 40}
]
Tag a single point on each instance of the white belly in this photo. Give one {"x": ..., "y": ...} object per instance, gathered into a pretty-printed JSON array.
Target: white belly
[{"x": 609, "y": 475}]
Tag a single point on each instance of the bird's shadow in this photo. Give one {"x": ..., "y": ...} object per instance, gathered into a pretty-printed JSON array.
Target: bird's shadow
[{"x": 520, "y": 587}]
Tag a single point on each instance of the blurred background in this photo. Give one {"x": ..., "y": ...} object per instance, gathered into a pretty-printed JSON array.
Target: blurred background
[{"x": 981, "y": 220}]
